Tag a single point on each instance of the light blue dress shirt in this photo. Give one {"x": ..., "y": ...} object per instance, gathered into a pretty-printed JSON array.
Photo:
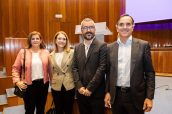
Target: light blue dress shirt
[{"x": 124, "y": 61}]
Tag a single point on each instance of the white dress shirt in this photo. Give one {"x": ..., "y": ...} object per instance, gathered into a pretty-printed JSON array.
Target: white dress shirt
[
  {"x": 87, "y": 46},
  {"x": 124, "y": 62}
]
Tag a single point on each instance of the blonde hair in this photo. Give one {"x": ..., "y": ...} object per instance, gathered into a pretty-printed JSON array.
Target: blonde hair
[{"x": 67, "y": 46}]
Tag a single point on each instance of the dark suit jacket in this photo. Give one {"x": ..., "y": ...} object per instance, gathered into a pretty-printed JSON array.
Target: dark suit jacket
[
  {"x": 142, "y": 75},
  {"x": 89, "y": 71}
]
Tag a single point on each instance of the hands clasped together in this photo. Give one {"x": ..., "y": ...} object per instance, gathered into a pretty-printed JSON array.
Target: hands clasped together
[{"x": 84, "y": 91}]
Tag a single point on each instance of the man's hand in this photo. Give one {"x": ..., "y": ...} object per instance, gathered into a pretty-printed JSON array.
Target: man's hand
[
  {"x": 84, "y": 91},
  {"x": 81, "y": 90},
  {"x": 87, "y": 92},
  {"x": 147, "y": 106},
  {"x": 107, "y": 100}
]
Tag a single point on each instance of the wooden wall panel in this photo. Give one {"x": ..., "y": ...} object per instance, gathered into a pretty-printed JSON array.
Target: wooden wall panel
[
  {"x": 158, "y": 33},
  {"x": 1, "y": 39},
  {"x": 162, "y": 61},
  {"x": 156, "y": 37},
  {"x": 159, "y": 36},
  {"x": 19, "y": 17},
  {"x": 12, "y": 47},
  {"x": 5, "y": 18},
  {"x": 36, "y": 15}
]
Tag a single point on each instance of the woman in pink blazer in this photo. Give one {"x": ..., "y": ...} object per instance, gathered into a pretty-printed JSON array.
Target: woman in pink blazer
[{"x": 36, "y": 79}]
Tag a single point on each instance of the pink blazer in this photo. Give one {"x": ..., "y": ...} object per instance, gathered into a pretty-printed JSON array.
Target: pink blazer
[{"x": 28, "y": 62}]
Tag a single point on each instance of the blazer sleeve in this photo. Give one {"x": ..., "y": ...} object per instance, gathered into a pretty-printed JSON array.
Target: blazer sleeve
[
  {"x": 16, "y": 68},
  {"x": 107, "y": 89},
  {"x": 149, "y": 73},
  {"x": 75, "y": 70}
]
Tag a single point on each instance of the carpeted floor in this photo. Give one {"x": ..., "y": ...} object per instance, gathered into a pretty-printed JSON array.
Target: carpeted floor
[{"x": 163, "y": 96}]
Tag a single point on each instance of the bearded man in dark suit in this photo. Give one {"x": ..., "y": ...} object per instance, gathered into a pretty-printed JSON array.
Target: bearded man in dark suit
[{"x": 89, "y": 70}]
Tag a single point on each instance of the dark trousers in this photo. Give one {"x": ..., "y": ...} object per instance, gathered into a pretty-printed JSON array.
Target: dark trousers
[
  {"x": 63, "y": 100},
  {"x": 36, "y": 96},
  {"x": 90, "y": 105},
  {"x": 123, "y": 103}
]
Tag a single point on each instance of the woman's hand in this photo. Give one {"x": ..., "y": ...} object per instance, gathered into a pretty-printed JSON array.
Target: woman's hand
[{"x": 21, "y": 85}]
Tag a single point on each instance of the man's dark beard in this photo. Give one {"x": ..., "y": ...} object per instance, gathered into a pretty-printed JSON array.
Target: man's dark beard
[{"x": 88, "y": 35}]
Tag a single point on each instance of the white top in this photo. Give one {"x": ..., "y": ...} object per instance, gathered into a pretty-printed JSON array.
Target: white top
[
  {"x": 124, "y": 61},
  {"x": 87, "y": 46},
  {"x": 37, "y": 69},
  {"x": 58, "y": 58}
]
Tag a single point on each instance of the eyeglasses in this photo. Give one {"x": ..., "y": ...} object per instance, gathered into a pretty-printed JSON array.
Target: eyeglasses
[{"x": 88, "y": 27}]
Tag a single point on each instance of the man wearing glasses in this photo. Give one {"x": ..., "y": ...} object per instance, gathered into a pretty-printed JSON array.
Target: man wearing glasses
[
  {"x": 131, "y": 76},
  {"x": 89, "y": 70}
]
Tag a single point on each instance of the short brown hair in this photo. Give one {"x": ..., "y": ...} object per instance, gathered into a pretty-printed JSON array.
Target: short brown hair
[
  {"x": 42, "y": 45},
  {"x": 125, "y": 15}
]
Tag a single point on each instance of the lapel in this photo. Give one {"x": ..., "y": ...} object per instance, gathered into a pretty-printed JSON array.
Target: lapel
[
  {"x": 113, "y": 61},
  {"x": 57, "y": 67},
  {"x": 92, "y": 46},
  {"x": 82, "y": 53},
  {"x": 65, "y": 60},
  {"x": 134, "y": 54}
]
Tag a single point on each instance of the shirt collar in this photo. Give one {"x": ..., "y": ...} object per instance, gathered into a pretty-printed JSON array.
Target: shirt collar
[
  {"x": 129, "y": 40},
  {"x": 90, "y": 42}
]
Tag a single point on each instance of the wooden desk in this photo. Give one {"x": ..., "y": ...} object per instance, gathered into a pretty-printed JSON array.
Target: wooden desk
[{"x": 162, "y": 61}]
